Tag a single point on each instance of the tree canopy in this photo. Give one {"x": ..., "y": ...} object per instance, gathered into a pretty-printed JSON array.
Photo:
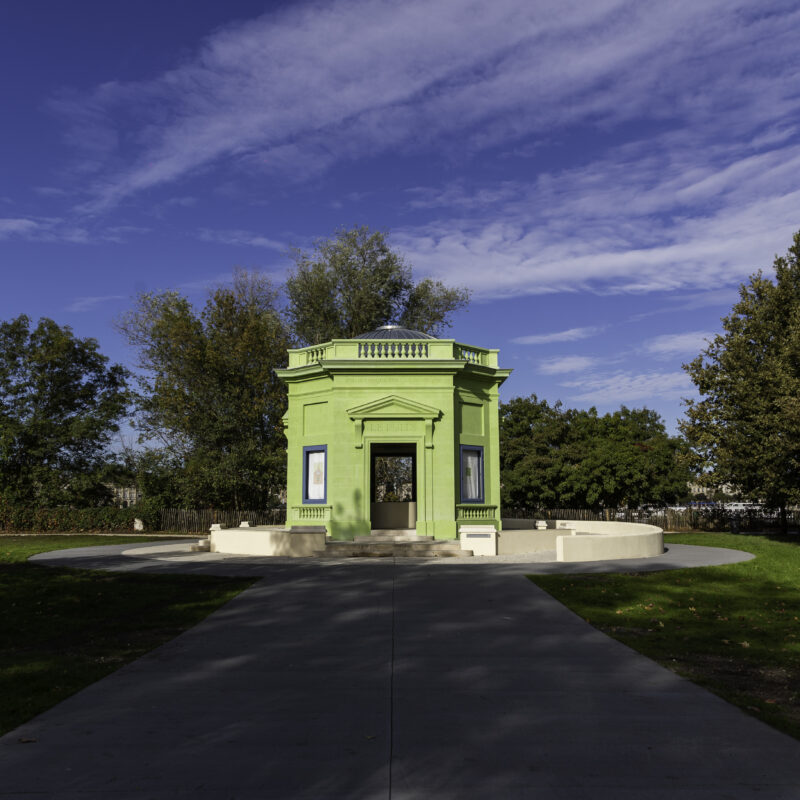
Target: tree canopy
[
  {"x": 570, "y": 458},
  {"x": 353, "y": 283},
  {"x": 209, "y": 397},
  {"x": 745, "y": 429},
  {"x": 60, "y": 404},
  {"x": 209, "y": 394}
]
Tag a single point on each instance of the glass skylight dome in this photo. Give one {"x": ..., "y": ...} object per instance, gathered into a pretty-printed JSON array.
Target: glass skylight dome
[{"x": 394, "y": 332}]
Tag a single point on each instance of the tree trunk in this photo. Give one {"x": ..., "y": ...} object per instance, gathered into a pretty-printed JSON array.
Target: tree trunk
[{"x": 784, "y": 521}]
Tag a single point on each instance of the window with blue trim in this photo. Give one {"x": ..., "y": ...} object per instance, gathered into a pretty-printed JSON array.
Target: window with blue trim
[
  {"x": 471, "y": 474},
  {"x": 315, "y": 474}
]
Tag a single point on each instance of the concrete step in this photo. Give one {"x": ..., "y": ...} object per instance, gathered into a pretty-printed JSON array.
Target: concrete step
[
  {"x": 393, "y": 536},
  {"x": 424, "y": 549}
]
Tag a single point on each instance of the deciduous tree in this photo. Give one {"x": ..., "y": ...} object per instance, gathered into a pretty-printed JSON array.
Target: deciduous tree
[
  {"x": 353, "y": 283},
  {"x": 745, "y": 429},
  {"x": 209, "y": 394},
  {"x": 571, "y": 458},
  {"x": 532, "y": 435},
  {"x": 60, "y": 404}
]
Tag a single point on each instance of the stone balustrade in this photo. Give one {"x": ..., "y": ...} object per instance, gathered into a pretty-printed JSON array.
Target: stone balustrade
[{"x": 393, "y": 350}]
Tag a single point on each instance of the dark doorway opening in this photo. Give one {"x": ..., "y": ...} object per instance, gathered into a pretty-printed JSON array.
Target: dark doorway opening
[{"x": 393, "y": 486}]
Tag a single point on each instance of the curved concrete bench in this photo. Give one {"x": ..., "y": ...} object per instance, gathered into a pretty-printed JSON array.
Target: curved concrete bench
[
  {"x": 600, "y": 541},
  {"x": 576, "y": 540}
]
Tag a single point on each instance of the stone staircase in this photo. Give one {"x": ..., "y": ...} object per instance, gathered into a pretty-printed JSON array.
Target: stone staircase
[
  {"x": 396, "y": 543},
  {"x": 393, "y": 535},
  {"x": 393, "y": 543}
]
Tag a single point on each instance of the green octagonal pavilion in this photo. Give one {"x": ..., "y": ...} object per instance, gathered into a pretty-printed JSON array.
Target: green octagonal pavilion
[{"x": 393, "y": 430}]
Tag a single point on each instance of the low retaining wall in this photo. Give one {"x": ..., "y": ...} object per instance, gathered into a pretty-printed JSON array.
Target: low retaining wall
[
  {"x": 525, "y": 540},
  {"x": 575, "y": 540},
  {"x": 571, "y": 539},
  {"x": 263, "y": 541}
]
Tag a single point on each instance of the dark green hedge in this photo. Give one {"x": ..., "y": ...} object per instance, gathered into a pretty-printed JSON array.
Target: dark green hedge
[{"x": 106, "y": 518}]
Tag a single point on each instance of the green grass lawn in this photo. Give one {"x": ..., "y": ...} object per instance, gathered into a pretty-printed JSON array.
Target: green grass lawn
[
  {"x": 734, "y": 629},
  {"x": 63, "y": 629}
]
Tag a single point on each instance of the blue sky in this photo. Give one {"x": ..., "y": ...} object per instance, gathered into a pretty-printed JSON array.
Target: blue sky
[{"x": 602, "y": 174}]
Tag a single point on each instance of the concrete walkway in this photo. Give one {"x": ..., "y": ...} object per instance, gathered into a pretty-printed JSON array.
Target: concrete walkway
[{"x": 392, "y": 680}]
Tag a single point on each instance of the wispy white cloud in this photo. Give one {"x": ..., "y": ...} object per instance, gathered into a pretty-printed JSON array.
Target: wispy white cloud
[
  {"x": 161, "y": 209},
  {"x": 185, "y": 201},
  {"x": 723, "y": 297},
  {"x": 311, "y": 84},
  {"x": 242, "y": 238},
  {"x": 569, "y": 335},
  {"x": 43, "y": 230},
  {"x": 632, "y": 223},
  {"x": 89, "y": 303},
  {"x": 694, "y": 195},
  {"x": 51, "y": 191},
  {"x": 678, "y": 344},
  {"x": 122, "y": 233},
  {"x": 58, "y": 229},
  {"x": 11, "y": 226},
  {"x": 563, "y": 364},
  {"x": 630, "y": 387},
  {"x": 350, "y": 197},
  {"x": 459, "y": 197}
]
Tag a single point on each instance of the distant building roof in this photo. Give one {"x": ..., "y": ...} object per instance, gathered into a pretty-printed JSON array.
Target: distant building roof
[{"x": 394, "y": 332}]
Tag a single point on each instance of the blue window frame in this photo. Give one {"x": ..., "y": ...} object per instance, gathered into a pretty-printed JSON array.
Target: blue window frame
[
  {"x": 472, "y": 474},
  {"x": 315, "y": 474}
]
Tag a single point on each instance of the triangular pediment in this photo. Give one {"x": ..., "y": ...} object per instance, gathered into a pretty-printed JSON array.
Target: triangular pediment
[{"x": 393, "y": 407}]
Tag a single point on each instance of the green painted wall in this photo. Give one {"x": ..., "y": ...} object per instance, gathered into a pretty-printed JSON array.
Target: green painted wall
[{"x": 435, "y": 394}]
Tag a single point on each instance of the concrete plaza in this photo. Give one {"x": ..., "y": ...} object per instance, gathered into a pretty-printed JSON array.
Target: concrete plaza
[{"x": 393, "y": 679}]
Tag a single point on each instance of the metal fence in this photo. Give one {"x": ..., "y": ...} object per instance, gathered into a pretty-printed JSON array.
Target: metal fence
[
  {"x": 185, "y": 520},
  {"x": 189, "y": 520},
  {"x": 713, "y": 519}
]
